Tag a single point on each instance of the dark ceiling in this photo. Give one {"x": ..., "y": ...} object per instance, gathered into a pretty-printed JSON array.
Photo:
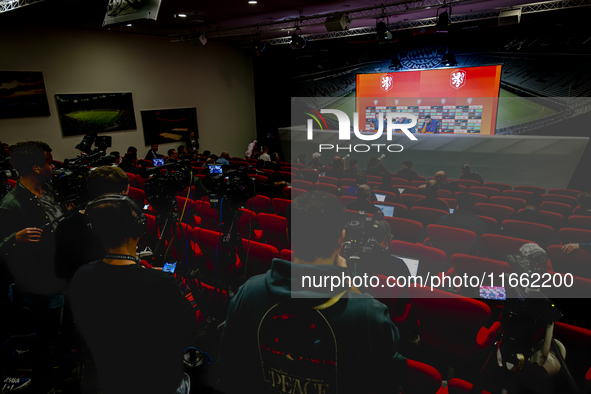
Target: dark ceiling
[{"x": 212, "y": 15}]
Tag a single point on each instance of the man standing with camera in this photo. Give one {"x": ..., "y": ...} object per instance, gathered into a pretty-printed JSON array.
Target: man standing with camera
[
  {"x": 366, "y": 363},
  {"x": 135, "y": 321},
  {"x": 27, "y": 244}
]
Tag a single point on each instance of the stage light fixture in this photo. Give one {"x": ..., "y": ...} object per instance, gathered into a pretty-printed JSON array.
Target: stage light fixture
[
  {"x": 396, "y": 65},
  {"x": 297, "y": 42},
  {"x": 443, "y": 23},
  {"x": 257, "y": 46},
  {"x": 449, "y": 60},
  {"x": 382, "y": 31}
]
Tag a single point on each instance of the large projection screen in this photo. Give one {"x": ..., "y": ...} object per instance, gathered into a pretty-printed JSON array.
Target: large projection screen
[{"x": 460, "y": 100}]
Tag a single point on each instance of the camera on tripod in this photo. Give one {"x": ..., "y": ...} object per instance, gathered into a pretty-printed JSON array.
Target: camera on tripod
[
  {"x": 362, "y": 243},
  {"x": 228, "y": 189},
  {"x": 69, "y": 182},
  {"x": 164, "y": 183}
]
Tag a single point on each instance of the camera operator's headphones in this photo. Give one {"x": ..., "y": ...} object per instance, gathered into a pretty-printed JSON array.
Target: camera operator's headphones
[{"x": 139, "y": 222}]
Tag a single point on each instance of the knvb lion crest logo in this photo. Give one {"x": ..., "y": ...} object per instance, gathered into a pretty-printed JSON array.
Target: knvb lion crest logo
[
  {"x": 386, "y": 82},
  {"x": 457, "y": 79}
]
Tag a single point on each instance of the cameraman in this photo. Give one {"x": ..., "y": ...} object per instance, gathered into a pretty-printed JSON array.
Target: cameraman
[
  {"x": 27, "y": 246},
  {"x": 75, "y": 243},
  {"x": 135, "y": 321}
]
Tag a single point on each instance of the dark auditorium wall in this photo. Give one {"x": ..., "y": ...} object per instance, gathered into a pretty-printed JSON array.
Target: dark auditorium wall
[{"x": 216, "y": 78}]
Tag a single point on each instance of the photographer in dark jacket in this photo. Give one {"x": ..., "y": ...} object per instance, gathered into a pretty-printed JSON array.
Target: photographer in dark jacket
[
  {"x": 135, "y": 321},
  {"x": 27, "y": 244}
]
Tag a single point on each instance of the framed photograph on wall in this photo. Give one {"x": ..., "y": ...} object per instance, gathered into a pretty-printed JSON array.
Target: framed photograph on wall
[
  {"x": 163, "y": 126},
  {"x": 101, "y": 112},
  {"x": 22, "y": 94}
]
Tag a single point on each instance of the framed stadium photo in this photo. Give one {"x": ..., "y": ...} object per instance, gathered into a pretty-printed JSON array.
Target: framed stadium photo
[
  {"x": 83, "y": 113},
  {"x": 22, "y": 94}
]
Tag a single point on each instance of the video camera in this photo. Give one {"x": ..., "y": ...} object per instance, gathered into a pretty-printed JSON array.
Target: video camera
[
  {"x": 164, "y": 183},
  {"x": 69, "y": 182},
  {"x": 232, "y": 187},
  {"x": 362, "y": 243}
]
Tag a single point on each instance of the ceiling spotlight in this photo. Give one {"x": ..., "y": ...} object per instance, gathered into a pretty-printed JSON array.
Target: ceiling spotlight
[
  {"x": 382, "y": 31},
  {"x": 297, "y": 42},
  {"x": 449, "y": 60},
  {"x": 128, "y": 25},
  {"x": 257, "y": 46},
  {"x": 252, "y": 2},
  {"x": 181, "y": 15},
  {"x": 443, "y": 23},
  {"x": 396, "y": 65}
]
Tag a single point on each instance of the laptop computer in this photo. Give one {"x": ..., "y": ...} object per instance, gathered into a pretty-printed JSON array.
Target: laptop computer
[
  {"x": 386, "y": 209},
  {"x": 411, "y": 262}
]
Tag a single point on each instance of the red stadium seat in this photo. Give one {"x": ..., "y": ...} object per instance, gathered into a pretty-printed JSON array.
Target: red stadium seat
[
  {"x": 451, "y": 240},
  {"x": 452, "y": 323},
  {"x": 390, "y": 197},
  {"x": 407, "y": 189},
  {"x": 348, "y": 182},
  {"x": 329, "y": 180},
  {"x": 459, "y": 386},
  {"x": 404, "y": 229},
  {"x": 499, "y": 246},
  {"x": 499, "y": 186},
  {"x": 497, "y": 212},
  {"x": 487, "y": 191},
  {"x": 533, "y": 189},
  {"x": 292, "y": 169},
  {"x": 477, "y": 266},
  {"x": 133, "y": 181},
  {"x": 431, "y": 260},
  {"x": 576, "y": 262},
  {"x": 515, "y": 203},
  {"x": 268, "y": 172},
  {"x": 400, "y": 211},
  {"x": 565, "y": 192},
  {"x": 374, "y": 185},
  {"x": 574, "y": 235},
  {"x": 260, "y": 257},
  {"x": 572, "y": 201},
  {"x": 287, "y": 175},
  {"x": 444, "y": 193},
  {"x": 400, "y": 181},
  {"x": 298, "y": 166},
  {"x": 248, "y": 225},
  {"x": 451, "y": 202},
  {"x": 517, "y": 194},
  {"x": 281, "y": 206},
  {"x": 491, "y": 223},
  {"x": 186, "y": 210},
  {"x": 12, "y": 183},
  {"x": 582, "y": 222},
  {"x": 422, "y": 379},
  {"x": 292, "y": 193},
  {"x": 347, "y": 199},
  {"x": 151, "y": 236},
  {"x": 463, "y": 188},
  {"x": 555, "y": 218},
  {"x": 327, "y": 187},
  {"x": 138, "y": 195},
  {"x": 302, "y": 184},
  {"x": 206, "y": 216},
  {"x": 209, "y": 245},
  {"x": 275, "y": 230},
  {"x": 410, "y": 199},
  {"x": 427, "y": 215},
  {"x": 262, "y": 204},
  {"x": 564, "y": 209},
  {"x": 477, "y": 197},
  {"x": 287, "y": 255},
  {"x": 373, "y": 178},
  {"x": 259, "y": 178},
  {"x": 577, "y": 341},
  {"x": 539, "y": 233},
  {"x": 344, "y": 190},
  {"x": 418, "y": 183},
  {"x": 467, "y": 182}
]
